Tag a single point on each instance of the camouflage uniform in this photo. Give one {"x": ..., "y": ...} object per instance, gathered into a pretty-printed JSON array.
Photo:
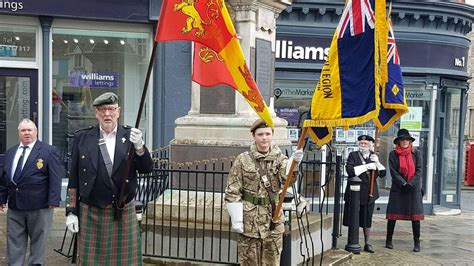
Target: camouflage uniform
[{"x": 257, "y": 244}]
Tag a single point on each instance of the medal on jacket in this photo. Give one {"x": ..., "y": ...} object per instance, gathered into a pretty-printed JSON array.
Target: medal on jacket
[{"x": 39, "y": 164}]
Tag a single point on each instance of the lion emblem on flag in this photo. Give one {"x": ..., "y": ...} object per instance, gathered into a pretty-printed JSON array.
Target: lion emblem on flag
[{"x": 194, "y": 20}]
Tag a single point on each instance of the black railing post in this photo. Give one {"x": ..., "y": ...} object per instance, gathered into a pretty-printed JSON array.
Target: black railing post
[
  {"x": 354, "y": 206},
  {"x": 285, "y": 259},
  {"x": 337, "y": 202}
]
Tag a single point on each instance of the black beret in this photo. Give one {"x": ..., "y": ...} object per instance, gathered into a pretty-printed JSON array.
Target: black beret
[
  {"x": 366, "y": 137},
  {"x": 106, "y": 98},
  {"x": 259, "y": 123}
]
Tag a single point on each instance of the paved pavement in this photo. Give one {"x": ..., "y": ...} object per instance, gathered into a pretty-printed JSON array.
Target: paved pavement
[{"x": 445, "y": 240}]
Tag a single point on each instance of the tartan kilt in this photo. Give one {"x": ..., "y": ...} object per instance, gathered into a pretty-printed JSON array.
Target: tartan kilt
[{"x": 103, "y": 241}]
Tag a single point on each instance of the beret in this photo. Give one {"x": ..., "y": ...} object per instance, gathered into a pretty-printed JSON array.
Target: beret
[
  {"x": 106, "y": 98},
  {"x": 259, "y": 123}
]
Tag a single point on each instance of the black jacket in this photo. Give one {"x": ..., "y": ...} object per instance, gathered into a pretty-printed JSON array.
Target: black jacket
[
  {"x": 85, "y": 160},
  {"x": 355, "y": 160}
]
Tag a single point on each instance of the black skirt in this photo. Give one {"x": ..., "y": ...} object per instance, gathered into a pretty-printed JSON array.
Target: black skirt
[{"x": 365, "y": 215}]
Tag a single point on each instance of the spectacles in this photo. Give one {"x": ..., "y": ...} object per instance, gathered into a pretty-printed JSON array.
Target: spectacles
[{"x": 103, "y": 110}]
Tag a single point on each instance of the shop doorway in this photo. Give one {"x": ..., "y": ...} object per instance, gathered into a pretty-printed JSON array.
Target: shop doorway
[
  {"x": 449, "y": 153},
  {"x": 18, "y": 100}
]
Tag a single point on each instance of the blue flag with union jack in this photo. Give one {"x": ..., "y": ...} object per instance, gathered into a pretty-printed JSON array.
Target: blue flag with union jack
[
  {"x": 345, "y": 93},
  {"x": 361, "y": 79},
  {"x": 393, "y": 94}
]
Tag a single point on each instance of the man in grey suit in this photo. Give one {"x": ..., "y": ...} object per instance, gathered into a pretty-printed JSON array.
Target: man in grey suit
[{"x": 31, "y": 184}]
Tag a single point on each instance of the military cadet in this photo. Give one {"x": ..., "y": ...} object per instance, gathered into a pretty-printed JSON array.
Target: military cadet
[
  {"x": 98, "y": 165},
  {"x": 253, "y": 185}
]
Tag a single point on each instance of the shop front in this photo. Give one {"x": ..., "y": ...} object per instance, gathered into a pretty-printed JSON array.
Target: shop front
[
  {"x": 433, "y": 48},
  {"x": 55, "y": 59}
]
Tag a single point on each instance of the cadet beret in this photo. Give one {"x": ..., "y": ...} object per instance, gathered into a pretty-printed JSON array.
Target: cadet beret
[
  {"x": 259, "y": 123},
  {"x": 106, "y": 98},
  {"x": 365, "y": 137}
]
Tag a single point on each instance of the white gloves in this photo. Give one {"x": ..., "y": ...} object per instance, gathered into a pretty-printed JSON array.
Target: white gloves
[
  {"x": 364, "y": 168},
  {"x": 371, "y": 166},
  {"x": 375, "y": 158},
  {"x": 72, "y": 223},
  {"x": 297, "y": 156},
  {"x": 236, "y": 213},
  {"x": 136, "y": 136}
]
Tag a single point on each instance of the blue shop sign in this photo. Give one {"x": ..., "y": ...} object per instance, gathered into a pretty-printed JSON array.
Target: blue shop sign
[{"x": 93, "y": 79}]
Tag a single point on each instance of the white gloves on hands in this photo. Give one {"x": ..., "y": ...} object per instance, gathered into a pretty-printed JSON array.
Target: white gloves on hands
[
  {"x": 298, "y": 156},
  {"x": 374, "y": 158},
  {"x": 136, "y": 136},
  {"x": 364, "y": 168},
  {"x": 371, "y": 166},
  {"x": 236, "y": 213},
  {"x": 72, "y": 223}
]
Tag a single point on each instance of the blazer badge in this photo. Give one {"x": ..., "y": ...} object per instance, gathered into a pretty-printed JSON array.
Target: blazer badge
[
  {"x": 39, "y": 164},
  {"x": 123, "y": 140}
]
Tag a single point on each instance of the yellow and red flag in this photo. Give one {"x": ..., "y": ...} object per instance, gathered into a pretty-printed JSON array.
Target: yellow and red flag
[
  {"x": 208, "y": 22},
  {"x": 205, "y": 61}
]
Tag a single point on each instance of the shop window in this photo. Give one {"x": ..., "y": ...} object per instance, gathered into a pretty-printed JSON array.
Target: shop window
[
  {"x": 17, "y": 43},
  {"x": 87, "y": 63}
]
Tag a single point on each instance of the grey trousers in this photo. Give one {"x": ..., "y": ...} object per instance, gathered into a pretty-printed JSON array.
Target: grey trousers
[{"x": 22, "y": 225}]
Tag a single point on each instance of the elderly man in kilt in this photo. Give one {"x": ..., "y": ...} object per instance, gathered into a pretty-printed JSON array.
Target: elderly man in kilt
[{"x": 108, "y": 235}]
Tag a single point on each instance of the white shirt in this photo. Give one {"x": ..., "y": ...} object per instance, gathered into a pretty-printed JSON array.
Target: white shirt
[
  {"x": 110, "y": 142},
  {"x": 18, "y": 154}
]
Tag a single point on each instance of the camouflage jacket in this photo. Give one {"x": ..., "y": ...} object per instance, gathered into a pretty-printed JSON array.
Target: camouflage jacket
[{"x": 244, "y": 178}]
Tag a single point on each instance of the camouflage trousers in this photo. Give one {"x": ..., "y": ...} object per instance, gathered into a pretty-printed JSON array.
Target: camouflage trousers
[{"x": 260, "y": 251}]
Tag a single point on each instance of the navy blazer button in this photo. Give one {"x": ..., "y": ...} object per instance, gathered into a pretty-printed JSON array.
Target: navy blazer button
[
  {"x": 85, "y": 184},
  {"x": 83, "y": 156},
  {"x": 84, "y": 169},
  {"x": 17, "y": 189},
  {"x": 113, "y": 196},
  {"x": 126, "y": 181}
]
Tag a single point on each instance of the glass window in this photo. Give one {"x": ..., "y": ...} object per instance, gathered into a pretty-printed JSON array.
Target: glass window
[
  {"x": 87, "y": 63},
  {"x": 451, "y": 141},
  {"x": 418, "y": 99},
  {"x": 17, "y": 43}
]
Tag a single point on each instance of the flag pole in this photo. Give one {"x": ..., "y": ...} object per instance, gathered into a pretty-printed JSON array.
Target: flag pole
[
  {"x": 289, "y": 177},
  {"x": 121, "y": 201},
  {"x": 372, "y": 173}
]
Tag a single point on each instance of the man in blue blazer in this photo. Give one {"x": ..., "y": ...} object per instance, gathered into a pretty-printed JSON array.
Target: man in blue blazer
[{"x": 31, "y": 184}]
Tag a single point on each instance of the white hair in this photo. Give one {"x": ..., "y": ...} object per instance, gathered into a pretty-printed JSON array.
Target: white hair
[{"x": 27, "y": 121}]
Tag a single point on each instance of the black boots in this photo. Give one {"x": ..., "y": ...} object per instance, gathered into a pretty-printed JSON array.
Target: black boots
[
  {"x": 417, "y": 246},
  {"x": 416, "y": 235},
  {"x": 390, "y": 229}
]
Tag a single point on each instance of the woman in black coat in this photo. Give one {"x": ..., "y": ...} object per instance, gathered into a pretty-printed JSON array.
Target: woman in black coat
[
  {"x": 406, "y": 200},
  {"x": 361, "y": 163}
]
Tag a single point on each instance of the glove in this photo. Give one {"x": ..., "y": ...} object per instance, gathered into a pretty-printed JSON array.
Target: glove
[
  {"x": 136, "y": 138},
  {"x": 72, "y": 223},
  {"x": 374, "y": 158},
  {"x": 298, "y": 156},
  {"x": 371, "y": 166},
  {"x": 236, "y": 213}
]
